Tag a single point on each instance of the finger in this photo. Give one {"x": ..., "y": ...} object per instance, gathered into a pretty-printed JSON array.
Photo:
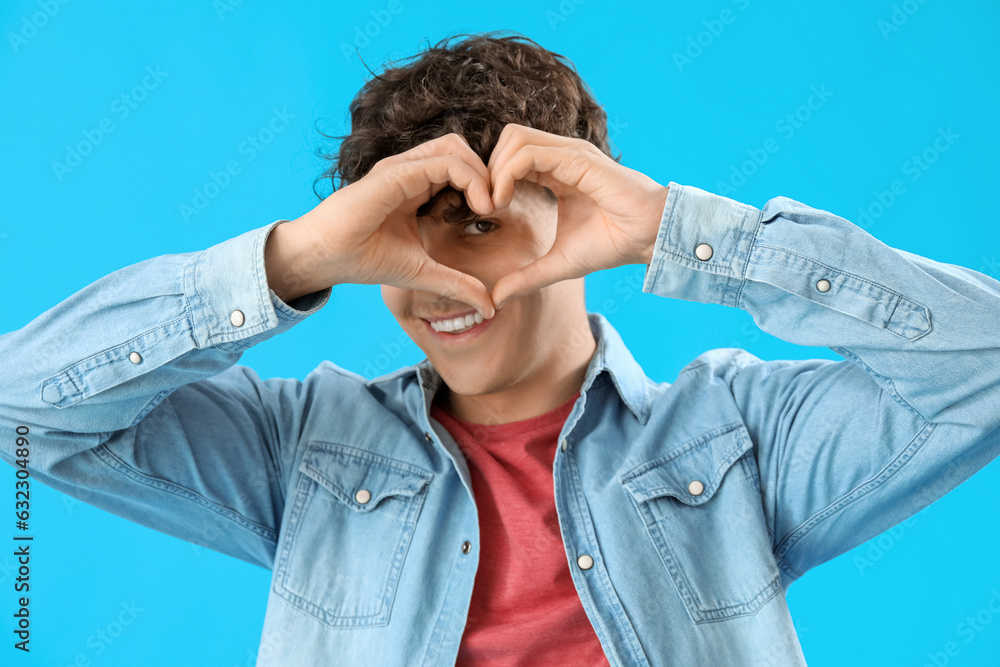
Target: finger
[
  {"x": 548, "y": 269},
  {"x": 514, "y": 136},
  {"x": 475, "y": 184},
  {"x": 417, "y": 179},
  {"x": 516, "y": 142},
  {"x": 509, "y": 130},
  {"x": 557, "y": 168},
  {"x": 448, "y": 144},
  {"x": 446, "y": 281},
  {"x": 472, "y": 157}
]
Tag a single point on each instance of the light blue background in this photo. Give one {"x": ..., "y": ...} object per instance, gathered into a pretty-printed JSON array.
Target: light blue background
[{"x": 894, "y": 601}]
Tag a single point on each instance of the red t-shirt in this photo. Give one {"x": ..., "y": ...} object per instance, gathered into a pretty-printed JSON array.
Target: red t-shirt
[{"x": 525, "y": 609}]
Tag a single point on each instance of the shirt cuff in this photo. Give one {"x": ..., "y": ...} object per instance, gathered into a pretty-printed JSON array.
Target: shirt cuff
[
  {"x": 230, "y": 299},
  {"x": 702, "y": 247}
]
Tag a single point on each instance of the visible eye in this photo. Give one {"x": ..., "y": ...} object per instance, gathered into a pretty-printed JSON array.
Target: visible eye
[{"x": 479, "y": 230}]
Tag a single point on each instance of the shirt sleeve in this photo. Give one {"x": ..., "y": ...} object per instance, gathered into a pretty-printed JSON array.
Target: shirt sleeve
[
  {"x": 133, "y": 401},
  {"x": 845, "y": 449}
]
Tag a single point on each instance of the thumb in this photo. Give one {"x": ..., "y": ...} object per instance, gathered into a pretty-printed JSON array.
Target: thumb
[
  {"x": 446, "y": 281},
  {"x": 547, "y": 269}
]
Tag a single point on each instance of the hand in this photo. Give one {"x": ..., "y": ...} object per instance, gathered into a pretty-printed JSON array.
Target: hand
[
  {"x": 609, "y": 215},
  {"x": 366, "y": 232}
]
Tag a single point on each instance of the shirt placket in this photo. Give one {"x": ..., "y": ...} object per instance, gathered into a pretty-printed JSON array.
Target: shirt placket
[{"x": 590, "y": 576}]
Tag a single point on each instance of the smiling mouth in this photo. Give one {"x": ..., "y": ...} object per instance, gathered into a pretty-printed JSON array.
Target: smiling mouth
[
  {"x": 457, "y": 324},
  {"x": 458, "y": 329}
]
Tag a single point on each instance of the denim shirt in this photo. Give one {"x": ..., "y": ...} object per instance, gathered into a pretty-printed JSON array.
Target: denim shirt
[{"x": 698, "y": 501}]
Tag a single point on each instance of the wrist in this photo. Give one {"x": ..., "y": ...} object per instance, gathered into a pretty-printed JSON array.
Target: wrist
[
  {"x": 659, "y": 202},
  {"x": 293, "y": 260}
]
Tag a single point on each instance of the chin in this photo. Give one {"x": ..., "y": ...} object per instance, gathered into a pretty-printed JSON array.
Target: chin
[{"x": 470, "y": 381}]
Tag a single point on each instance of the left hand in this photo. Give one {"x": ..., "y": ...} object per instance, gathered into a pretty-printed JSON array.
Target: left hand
[{"x": 609, "y": 215}]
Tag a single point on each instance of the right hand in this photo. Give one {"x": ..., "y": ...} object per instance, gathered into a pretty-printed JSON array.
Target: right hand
[{"x": 366, "y": 232}]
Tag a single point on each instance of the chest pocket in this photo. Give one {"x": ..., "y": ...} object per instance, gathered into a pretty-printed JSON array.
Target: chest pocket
[
  {"x": 347, "y": 534},
  {"x": 701, "y": 505}
]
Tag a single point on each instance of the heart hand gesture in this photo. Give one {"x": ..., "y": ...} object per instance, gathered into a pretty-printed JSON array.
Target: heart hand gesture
[{"x": 609, "y": 214}]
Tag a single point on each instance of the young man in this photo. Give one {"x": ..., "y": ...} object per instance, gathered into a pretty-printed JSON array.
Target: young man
[{"x": 525, "y": 494}]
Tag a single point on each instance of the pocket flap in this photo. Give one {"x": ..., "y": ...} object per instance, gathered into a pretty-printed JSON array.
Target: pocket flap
[
  {"x": 704, "y": 459},
  {"x": 345, "y": 471}
]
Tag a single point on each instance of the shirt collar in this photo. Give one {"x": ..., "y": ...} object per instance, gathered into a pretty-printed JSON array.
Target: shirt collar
[{"x": 611, "y": 355}]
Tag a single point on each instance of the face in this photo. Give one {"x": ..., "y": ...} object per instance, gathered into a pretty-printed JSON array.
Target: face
[{"x": 522, "y": 341}]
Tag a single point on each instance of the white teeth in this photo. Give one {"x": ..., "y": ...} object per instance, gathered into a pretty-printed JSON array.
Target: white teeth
[{"x": 457, "y": 324}]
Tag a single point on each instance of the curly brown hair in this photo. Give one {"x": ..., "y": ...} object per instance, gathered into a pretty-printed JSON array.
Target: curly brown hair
[{"x": 473, "y": 87}]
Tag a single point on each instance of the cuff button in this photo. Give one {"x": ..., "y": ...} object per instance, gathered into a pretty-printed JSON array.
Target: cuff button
[
  {"x": 703, "y": 252},
  {"x": 236, "y": 317},
  {"x": 823, "y": 285},
  {"x": 135, "y": 357}
]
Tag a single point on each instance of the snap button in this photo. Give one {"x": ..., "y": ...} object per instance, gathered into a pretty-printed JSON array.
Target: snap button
[
  {"x": 466, "y": 547},
  {"x": 428, "y": 436},
  {"x": 585, "y": 562},
  {"x": 363, "y": 496},
  {"x": 823, "y": 285},
  {"x": 703, "y": 252},
  {"x": 563, "y": 445},
  {"x": 135, "y": 357},
  {"x": 236, "y": 317},
  {"x": 695, "y": 488}
]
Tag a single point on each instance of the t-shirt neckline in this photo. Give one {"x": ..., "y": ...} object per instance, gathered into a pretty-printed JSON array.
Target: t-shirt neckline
[{"x": 496, "y": 432}]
